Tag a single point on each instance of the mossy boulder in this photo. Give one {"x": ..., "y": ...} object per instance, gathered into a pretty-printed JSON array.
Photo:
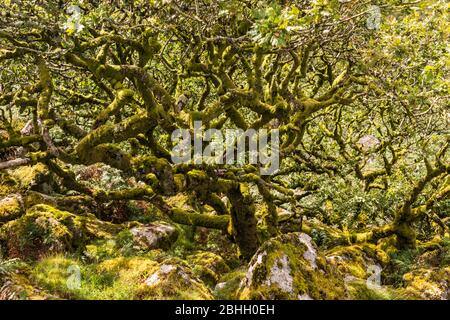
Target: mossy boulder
[
  {"x": 362, "y": 265},
  {"x": 174, "y": 279},
  {"x": 11, "y": 207},
  {"x": 45, "y": 230},
  {"x": 227, "y": 286},
  {"x": 208, "y": 266},
  {"x": 427, "y": 284},
  {"x": 291, "y": 267},
  {"x": 357, "y": 261},
  {"x": 155, "y": 235},
  {"x": 36, "y": 177}
]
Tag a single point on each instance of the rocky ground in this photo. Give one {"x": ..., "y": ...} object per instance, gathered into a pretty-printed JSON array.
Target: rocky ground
[{"x": 129, "y": 251}]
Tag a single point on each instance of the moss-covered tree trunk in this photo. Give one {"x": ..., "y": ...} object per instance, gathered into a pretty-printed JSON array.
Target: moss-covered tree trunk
[{"x": 243, "y": 221}]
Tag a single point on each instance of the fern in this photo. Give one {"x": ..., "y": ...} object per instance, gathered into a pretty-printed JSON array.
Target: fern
[{"x": 8, "y": 266}]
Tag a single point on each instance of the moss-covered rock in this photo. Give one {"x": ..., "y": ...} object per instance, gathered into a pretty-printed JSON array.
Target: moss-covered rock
[
  {"x": 228, "y": 285},
  {"x": 45, "y": 230},
  {"x": 357, "y": 261},
  {"x": 428, "y": 284},
  {"x": 11, "y": 207},
  {"x": 208, "y": 266},
  {"x": 290, "y": 267},
  {"x": 361, "y": 266},
  {"x": 36, "y": 177},
  {"x": 173, "y": 279},
  {"x": 155, "y": 235}
]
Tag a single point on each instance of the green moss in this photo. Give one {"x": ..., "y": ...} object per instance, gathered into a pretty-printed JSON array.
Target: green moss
[
  {"x": 207, "y": 266},
  {"x": 8, "y": 184},
  {"x": 197, "y": 175},
  {"x": 44, "y": 229},
  {"x": 401, "y": 263},
  {"x": 388, "y": 245},
  {"x": 195, "y": 219},
  {"x": 6, "y": 190},
  {"x": 180, "y": 181},
  {"x": 261, "y": 213},
  {"x": 118, "y": 278},
  {"x": 16, "y": 285},
  {"x": 33, "y": 198},
  {"x": 428, "y": 284},
  {"x": 355, "y": 260},
  {"x": 101, "y": 250},
  {"x": 359, "y": 291},
  {"x": 286, "y": 267},
  {"x": 10, "y": 208},
  {"x": 228, "y": 285},
  {"x": 28, "y": 175}
]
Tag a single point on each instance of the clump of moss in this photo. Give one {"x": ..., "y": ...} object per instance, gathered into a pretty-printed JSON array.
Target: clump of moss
[
  {"x": 421, "y": 273},
  {"x": 121, "y": 246},
  {"x": 10, "y": 208},
  {"x": 355, "y": 260},
  {"x": 207, "y": 266},
  {"x": 100, "y": 250},
  {"x": 29, "y": 176},
  {"x": 227, "y": 286},
  {"x": 8, "y": 184},
  {"x": 35, "y": 234},
  {"x": 435, "y": 253},
  {"x": 359, "y": 290},
  {"x": 33, "y": 198}
]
